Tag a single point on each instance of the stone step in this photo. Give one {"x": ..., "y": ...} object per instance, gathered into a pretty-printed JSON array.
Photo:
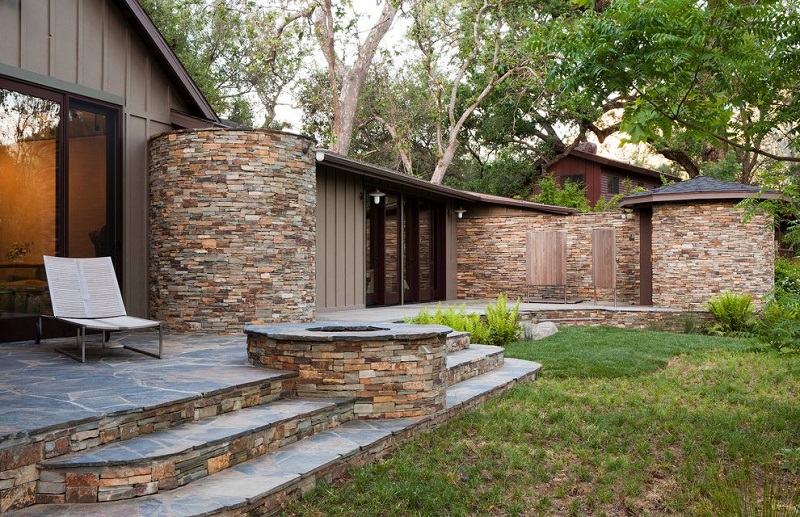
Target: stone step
[
  {"x": 476, "y": 360},
  {"x": 173, "y": 457},
  {"x": 164, "y": 460},
  {"x": 457, "y": 341},
  {"x": 261, "y": 485}
]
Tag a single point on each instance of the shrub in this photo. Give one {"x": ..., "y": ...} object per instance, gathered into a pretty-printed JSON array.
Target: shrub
[
  {"x": 500, "y": 328},
  {"x": 779, "y": 324},
  {"x": 456, "y": 319},
  {"x": 733, "y": 314},
  {"x": 787, "y": 277},
  {"x": 503, "y": 322}
]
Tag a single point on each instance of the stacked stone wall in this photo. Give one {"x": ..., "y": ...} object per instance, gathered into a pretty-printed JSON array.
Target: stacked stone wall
[
  {"x": 703, "y": 249},
  {"x": 232, "y": 229},
  {"x": 492, "y": 255}
]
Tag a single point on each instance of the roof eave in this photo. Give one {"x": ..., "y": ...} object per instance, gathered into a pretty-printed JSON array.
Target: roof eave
[
  {"x": 172, "y": 65},
  {"x": 378, "y": 173},
  {"x": 622, "y": 165},
  {"x": 652, "y": 199}
]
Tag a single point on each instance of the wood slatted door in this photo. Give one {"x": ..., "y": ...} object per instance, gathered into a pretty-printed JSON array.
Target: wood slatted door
[{"x": 546, "y": 258}]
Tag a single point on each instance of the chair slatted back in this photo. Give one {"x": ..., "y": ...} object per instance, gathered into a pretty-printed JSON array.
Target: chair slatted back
[{"x": 83, "y": 288}]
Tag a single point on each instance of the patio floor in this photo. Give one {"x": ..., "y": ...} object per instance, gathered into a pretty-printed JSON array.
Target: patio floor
[{"x": 40, "y": 388}]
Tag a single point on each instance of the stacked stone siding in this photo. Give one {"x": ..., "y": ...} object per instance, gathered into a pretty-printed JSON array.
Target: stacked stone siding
[
  {"x": 492, "y": 255},
  {"x": 703, "y": 249},
  {"x": 391, "y": 373},
  {"x": 232, "y": 229}
]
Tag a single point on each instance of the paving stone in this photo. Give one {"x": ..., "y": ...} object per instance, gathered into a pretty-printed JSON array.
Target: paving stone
[{"x": 234, "y": 487}]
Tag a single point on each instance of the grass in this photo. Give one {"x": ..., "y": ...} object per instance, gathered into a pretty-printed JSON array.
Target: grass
[{"x": 619, "y": 423}]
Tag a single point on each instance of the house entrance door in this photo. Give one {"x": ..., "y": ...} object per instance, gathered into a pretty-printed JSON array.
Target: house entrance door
[{"x": 405, "y": 242}]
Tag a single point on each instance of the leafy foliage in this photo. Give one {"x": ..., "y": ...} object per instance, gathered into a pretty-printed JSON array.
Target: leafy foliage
[
  {"x": 779, "y": 323},
  {"x": 571, "y": 195},
  {"x": 455, "y": 318},
  {"x": 242, "y": 54},
  {"x": 686, "y": 79},
  {"x": 733, "y": 314},
  {"x": 500, "y": 328},
  {"x": 503, "y": 322}
]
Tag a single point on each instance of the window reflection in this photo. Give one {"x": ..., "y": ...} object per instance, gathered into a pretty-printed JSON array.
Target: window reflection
[{"x": 28, "y": 167}]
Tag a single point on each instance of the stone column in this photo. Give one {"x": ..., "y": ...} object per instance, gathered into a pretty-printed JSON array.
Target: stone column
[{"x": 232, "y": 229}]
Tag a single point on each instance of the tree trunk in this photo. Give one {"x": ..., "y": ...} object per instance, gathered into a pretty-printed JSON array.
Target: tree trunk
[{"x": 350, "y": 81}]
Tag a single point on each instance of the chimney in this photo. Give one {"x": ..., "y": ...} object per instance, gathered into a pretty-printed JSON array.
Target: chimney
[{"x": 587, "y": 147}]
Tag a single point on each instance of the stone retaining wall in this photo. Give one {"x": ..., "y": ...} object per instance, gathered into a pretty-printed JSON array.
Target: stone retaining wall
[
  {"x": 492, "y": 255},
  {"x": 662, "y": 321},
  {"x": 704, "y": 248},
  {"x": 232, "y": 229}
]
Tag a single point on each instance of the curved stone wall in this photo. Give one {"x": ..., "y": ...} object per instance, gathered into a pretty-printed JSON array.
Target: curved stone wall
[
  {"x": 232, "y": 229},
  {"x": 393, "y": 370}
]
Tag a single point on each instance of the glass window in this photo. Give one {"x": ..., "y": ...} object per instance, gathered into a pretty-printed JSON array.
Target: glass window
[
  {"x": 613, "y": 184},
  {"x": 59, "y": 173},
  {"x": 572, "y": 178}
]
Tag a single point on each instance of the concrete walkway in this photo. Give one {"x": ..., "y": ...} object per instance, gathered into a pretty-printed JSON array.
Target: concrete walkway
[{"x": 399, "y": 312}]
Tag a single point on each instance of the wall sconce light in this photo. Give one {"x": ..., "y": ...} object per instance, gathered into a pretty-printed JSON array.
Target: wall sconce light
[
  {"x": 376, "y": 196},
  {"x": 460, "y": 212},
  {"x": 319, "y": 155}
]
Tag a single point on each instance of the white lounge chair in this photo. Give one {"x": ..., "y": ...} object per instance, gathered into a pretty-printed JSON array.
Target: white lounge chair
[{"x": 85, "y": 293}]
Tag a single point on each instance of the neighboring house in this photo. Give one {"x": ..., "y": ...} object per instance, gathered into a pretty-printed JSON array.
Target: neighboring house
[
  {"x": 83, "y": 85},
  {"x": 604, "y": 177}
]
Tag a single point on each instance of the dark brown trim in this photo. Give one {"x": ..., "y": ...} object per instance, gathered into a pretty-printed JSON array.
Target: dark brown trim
[
  {"x": 646, "y": 256},
  {"x": 184, "y": 121},
  {"x": 402, "y": 183},
  {"x": 651, "y": 199}
]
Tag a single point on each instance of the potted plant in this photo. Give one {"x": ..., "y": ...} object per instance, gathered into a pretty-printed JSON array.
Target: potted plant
[{"x": 18, "y": 251}]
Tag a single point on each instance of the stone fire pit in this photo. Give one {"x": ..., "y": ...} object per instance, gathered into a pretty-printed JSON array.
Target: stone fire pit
[{"x": 393, "y": 370}]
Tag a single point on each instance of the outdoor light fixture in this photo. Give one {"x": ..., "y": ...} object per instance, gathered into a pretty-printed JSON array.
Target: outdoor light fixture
[
  {"x": 319, "y": 155},
  {"x": 376, "y": 196},
  {"x": 460, "y": 212}
]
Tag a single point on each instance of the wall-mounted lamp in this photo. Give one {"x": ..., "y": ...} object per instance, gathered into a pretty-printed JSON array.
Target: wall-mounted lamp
[
  {"x": 305, "y": 146},
  {"x": 319, "y": 155},
  {"x": 376, "y": 196},
  {"x": 460, "y": 212}
]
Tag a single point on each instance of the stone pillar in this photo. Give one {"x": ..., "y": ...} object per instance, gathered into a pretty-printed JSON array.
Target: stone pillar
[{"x": 232, "y": 229}]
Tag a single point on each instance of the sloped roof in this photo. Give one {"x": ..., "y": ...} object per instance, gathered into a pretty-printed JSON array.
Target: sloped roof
[
  {"x": 592, "y": 157},
  {"x": 162, "y": 52},
  {"x": 698, "y": 188},
  {"x": 396, "y": 179}
]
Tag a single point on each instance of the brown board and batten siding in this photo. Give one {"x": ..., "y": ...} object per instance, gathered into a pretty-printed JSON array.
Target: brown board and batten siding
[
  {"x": 87, "y": 48},
  {"x": 341, "y": 217}
]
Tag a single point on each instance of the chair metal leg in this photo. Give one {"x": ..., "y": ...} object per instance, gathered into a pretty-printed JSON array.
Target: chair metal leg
[
  {"x": 80, "y": 341},
  {"x": 39, "y": 331},
  {"x": 145, "y": 352}
]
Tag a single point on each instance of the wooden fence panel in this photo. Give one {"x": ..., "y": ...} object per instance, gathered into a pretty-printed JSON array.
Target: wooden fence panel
[
  {"x": 604, "y": 258},
  {"x": 546, "y": 258}
]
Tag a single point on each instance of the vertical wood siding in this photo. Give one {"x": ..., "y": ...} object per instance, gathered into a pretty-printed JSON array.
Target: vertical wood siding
[
  {"x": 341, "y": 266},
  {"x": 88, "y": 43}
]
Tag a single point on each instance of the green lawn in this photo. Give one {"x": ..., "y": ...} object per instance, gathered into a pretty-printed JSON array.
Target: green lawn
[{"x": 618, "y": 423}]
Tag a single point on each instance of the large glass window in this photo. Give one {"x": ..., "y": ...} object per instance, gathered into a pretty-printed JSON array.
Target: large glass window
[{"x": 58, "y": 192}]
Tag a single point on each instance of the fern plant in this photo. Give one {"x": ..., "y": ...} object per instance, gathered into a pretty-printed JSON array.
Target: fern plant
[
  {"x": 503, "y": 322},
  {"x": 455, "y": 318},
  {"x": 733, "y": 314}
]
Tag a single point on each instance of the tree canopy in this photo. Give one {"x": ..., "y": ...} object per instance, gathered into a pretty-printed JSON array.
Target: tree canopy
[{"x": 488, "y": 93}]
